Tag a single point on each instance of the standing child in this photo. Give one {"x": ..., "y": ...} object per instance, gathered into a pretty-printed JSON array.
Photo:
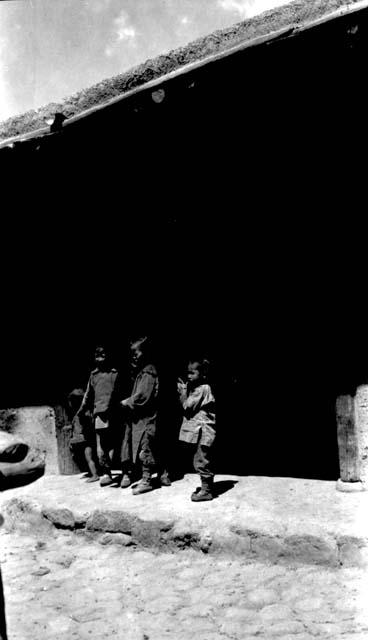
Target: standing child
[
  {"x": 198, "y": 427},
  {"x": 102, "y": 401},
  {"x": 84, "y": 436},
  {"x": 143, "y": 406}
]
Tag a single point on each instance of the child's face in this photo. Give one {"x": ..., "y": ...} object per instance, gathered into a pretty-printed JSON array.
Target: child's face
[
  {"x": 193, "y": 373},
  {"x": 136, "y": 354},
  {"x": 100, "y": 358}
]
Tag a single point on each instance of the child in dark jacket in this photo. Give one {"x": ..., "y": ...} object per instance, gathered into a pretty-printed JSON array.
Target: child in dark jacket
[
  {"x": 142, "y": 403},
  {"x": 101, "y": 399},
  {"x": 199, "y": 424}
]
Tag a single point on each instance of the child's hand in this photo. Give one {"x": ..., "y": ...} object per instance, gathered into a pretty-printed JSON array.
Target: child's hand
[{"x": 181, "y": 386}]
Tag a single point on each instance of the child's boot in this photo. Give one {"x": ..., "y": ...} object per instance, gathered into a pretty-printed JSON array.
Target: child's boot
[
  {"x": 165, "y": 479},
  {"x": 126, "y": 481},
  {"x": 106, "y": 479},
  {"x": 205, "y": 492},
  {"x": 143, "y": 485}
]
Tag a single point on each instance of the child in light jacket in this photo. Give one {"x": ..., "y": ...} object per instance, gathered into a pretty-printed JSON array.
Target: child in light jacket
[{"x": 199, "y": 424}]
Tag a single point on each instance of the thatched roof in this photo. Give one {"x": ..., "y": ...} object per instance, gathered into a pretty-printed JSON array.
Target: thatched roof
[{"x": 289, "y": 15}]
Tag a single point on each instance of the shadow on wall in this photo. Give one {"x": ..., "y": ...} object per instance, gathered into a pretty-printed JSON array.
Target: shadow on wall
[
  {"x": 277, "y": 424},
  {"x": 251, "y": 440},
  {"x": 271, "y": 438}
]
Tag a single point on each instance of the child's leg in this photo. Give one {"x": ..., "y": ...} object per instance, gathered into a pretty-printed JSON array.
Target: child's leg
[
  {"x": 103, "y": 456},
  {"x": 202, "y": 464},
  {"x": 88, "y": 453},
  {"x": 126, "y": 457},
  {"x": 146, "y": 456},
  {"x": 164, "y": 455}
]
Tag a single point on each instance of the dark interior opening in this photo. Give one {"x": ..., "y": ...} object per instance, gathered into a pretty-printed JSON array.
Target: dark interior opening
[{"x": 223, "y": 220}]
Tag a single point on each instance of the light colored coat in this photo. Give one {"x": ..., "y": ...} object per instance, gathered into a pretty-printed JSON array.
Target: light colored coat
[{"x": 199, "y": 422}]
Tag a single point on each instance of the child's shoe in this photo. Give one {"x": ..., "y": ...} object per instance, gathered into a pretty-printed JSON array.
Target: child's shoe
[
  {"x": 205, "y": 492},
  {"x": 143, "y": 486},
  {"x": 105, "y": 480},
  {"x": 126, "y": 481},
  {"x": 165, "y": 479}
]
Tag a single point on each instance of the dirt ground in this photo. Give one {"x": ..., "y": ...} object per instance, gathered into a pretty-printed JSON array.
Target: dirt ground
[
  {"x": 68, "y": 587},
  {"x": 290, "y": 14}
]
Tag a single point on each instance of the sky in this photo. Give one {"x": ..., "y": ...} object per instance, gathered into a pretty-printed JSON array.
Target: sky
[{"x": 50, "y": 49}]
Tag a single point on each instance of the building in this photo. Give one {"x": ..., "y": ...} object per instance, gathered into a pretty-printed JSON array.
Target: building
[{"x": 220, "y": 205}]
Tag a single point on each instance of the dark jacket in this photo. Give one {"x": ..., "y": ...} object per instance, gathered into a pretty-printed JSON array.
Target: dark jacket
[
  {"x": 102, "y": 392},
  {"x": 143, "y": 402}
]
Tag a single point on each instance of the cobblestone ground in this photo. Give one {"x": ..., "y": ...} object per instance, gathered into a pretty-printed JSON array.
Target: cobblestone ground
[{"x": 68, "y": 587}]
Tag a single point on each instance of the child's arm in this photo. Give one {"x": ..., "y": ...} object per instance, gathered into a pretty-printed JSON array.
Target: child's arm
[
  {"x": 145, "y": 390},
  {"x": 87, "y": 399},
  {"x": 192, "y": 403},
  {"x": 182, "y": 391}
]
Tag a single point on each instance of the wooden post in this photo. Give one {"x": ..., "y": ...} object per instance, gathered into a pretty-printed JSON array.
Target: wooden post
[
  {"x": 361, "y": 420},
  {"x": 66, "y": 463},
  {"x": 347, "y": 439}
]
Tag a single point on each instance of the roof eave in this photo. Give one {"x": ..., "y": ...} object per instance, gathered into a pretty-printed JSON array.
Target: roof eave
[{"x": 285, "y": 32}]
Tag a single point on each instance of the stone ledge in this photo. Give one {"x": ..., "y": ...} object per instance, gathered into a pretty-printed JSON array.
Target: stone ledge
[
  {"x": 119, "y": 527},
  {"x": 238, "y": 523}
]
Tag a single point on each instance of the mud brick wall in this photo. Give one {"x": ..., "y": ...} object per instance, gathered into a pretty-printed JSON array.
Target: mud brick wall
[{"x": 37, "y": 427}]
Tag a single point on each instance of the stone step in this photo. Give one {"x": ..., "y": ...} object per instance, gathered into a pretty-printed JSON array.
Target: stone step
[{"x": 283, "y": 520}]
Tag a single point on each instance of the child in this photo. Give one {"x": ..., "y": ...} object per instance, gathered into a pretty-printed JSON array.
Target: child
[
  {"x": 143, "y": 406},
  {"x": 83, "y": 434},
  {"x": 101, "y": 399},
  {"x": 198, "y": 427}
]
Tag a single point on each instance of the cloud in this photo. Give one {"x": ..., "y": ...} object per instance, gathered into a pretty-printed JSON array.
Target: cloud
[
  {"x": 123, "y": 33},
  {"x": 124, "y": 30},
  {"x": 249, "y": 8},
  {"x": 98, "y": 6},
  {"x": 7, "y": 104}
]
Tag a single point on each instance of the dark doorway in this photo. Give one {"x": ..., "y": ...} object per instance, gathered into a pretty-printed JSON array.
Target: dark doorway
[{"x": 219, "y": 220}]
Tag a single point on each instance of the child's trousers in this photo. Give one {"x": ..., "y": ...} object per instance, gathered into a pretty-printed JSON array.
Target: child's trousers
[
  {"x": 126, "y": 449},
  {"x": 104, "y": 449},
  {"x": 203, "y": 461},
  {"x": 146, "y": 452}
]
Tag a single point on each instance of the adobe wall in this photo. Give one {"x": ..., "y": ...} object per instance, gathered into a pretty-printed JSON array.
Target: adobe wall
[{"x": 36, "y": 426}]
